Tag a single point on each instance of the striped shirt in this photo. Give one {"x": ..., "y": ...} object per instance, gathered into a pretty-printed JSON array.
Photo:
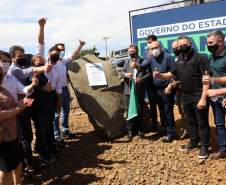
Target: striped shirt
[{"x": 9, "y": 126}]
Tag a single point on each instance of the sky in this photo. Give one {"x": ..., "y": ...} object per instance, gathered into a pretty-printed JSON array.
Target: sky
[{"x": 67, "y": 22}]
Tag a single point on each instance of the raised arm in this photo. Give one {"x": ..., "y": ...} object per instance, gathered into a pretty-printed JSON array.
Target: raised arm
[
  {"x": 162, "y": 76},
  {"x": 78, "y": 49},
  {"x": 41, "y": 23}
]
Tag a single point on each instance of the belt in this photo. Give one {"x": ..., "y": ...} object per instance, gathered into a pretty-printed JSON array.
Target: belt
[{"x": 65, "y": 87}]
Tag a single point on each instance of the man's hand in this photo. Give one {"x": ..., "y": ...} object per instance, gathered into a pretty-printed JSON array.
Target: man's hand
[
  {"x": 82, "y": 43},
  {"x": 213, "y": 93},
  {"x": 168, "y": 89},
  {"x": 224, "y": 103},
  {"x": 129, "y": 75},
  {"x": 138, "y": 80},
  {"x": 42, "y": 21},
  {"x": 156, "y": 73},
  {"x": 174, "y": 83},
  {"x": 206, "y": 79},
  {"x": 35, "y": 81},
  {"x": 134, "y": 64},
  {"x": 201, "y": 104},
  {"x": 48, "y": 87},
  {"x": 48, "y": 67}
]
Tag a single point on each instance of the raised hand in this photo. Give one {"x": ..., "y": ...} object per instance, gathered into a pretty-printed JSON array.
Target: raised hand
[
  {"x": 48, "y": 67},
  {"x": 206, "y": 79},
  {"x": 82, "y": 43},
  {"x": 156, "y": 73},
  {"x": 134, "y": 64},
  {"x": 35, "y": 81},
  {"x": 42, "y": 21},
  {"x": 48, "y": 87}
]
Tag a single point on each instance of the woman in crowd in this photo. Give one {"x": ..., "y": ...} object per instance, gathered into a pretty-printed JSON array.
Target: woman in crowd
[{"x": 11, "y": 151}]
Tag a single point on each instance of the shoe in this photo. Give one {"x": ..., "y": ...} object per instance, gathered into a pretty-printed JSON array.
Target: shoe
[
  {"x": 190, "y": 146},
  {"x": 168, "y": 139},
  {"x": 160, "y": 134},
  {"x": 59, "y": 139},
  {"x": 130, "y": 136},
  {"x": 67, "y": 133},
  {"x": 185, "y": 135},
  {"x": 47, "y": 159},
  {"x": 203, "y": 153},
  {"x": 218, "y": 155},
  {"x": 140, "y": 133}
]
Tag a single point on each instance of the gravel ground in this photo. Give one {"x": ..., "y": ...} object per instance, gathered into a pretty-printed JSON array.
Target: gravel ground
[{"x": 90, "y": 159}]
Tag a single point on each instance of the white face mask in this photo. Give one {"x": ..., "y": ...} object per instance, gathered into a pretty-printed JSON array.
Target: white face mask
[
  {"x": 155, "y": 52},
  {"x": 4, "y": 66},
  {"x": 148, "y": 45}
]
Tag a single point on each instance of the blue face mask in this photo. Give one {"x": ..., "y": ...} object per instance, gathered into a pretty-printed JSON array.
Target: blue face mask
[{"x": 62, "y": 53}]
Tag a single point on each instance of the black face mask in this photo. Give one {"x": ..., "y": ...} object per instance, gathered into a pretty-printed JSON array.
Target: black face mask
[
  {"x": 213, "y": 48},
  {"x": 177, "y": 52},
  {"x": 21, "y": 62},
  {"x": 40, "y": 65},
  {"x": 185, "y": 49},
  {"x": 133, "y": 55},
  {"x": 54, "y": 57}
]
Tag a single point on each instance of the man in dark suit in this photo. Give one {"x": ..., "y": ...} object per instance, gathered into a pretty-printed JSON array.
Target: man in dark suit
[{"x": 134, "y": 124}]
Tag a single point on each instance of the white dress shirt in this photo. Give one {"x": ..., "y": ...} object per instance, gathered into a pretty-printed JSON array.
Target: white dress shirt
[
  {"x": 14, "y": 86},
  {"x": 62, "y": 65},
  {"x": 55, "y": 76}
]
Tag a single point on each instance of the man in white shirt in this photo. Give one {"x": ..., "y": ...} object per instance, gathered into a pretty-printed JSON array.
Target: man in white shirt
[
  {"x": 11, "y": 83},
  {"x": 65, "y": 97}
]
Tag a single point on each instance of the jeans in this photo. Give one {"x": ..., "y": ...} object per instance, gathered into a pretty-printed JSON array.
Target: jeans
[
  {"x": 135, "y": 124},
  {"x": 198, "y": 120},
  {"x": 26, "y": 135},
  {"x": 65, "y": 103},
  {"x": 219, "y": 119},
  {"x": 41, "y": 122},
  {"x": 165, "y": 105}
]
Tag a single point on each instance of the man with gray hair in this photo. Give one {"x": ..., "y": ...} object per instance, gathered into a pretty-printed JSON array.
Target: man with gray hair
[
  {"x": 215, "y": 41},
  {"x": 130, "y": 74}
]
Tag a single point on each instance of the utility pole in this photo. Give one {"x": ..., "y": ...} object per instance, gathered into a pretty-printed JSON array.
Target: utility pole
[{"x": 105, "y": 38}]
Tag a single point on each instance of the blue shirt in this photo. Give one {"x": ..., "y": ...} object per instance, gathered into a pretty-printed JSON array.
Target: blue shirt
[{"x": 163, "y": 63}]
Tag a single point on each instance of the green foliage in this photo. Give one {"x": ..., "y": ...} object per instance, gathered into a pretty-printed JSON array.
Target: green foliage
[{"x": 85, "y": 52}]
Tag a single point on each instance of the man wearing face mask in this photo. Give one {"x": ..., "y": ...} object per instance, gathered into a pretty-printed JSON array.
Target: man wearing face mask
[
  {"x": 129, "y": 74},
  {"x": 191, "y": 68},
  {"x": 17, "y": 69},
  {"x": 11, "y": 83},
  {"x": 65, "y": 97},
  {"x": 163, "y": 62},
  {"x": 177, "y": 85},
  {"x": 55, "y": 78},
  {"x": 150, "y": 86},
  {"x": 215, "y": 41}
]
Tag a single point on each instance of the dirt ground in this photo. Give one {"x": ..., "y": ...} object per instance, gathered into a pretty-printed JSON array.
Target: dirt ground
[{"x": 90, "y": 159}]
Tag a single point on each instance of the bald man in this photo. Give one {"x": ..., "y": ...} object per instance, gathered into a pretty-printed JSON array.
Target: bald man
[{"x": 163, "y": 62}]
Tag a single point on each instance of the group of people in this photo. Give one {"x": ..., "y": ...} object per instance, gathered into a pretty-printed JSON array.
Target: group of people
[
  {"x": 36, "y": 93},
  {"x": 198, "y": 82}
]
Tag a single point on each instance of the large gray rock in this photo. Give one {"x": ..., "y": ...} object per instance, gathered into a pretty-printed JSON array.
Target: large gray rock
[{"x": 105, "y": 105}]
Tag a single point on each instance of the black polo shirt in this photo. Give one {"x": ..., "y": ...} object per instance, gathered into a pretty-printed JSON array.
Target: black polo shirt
[{"x": 190, "y": 71}]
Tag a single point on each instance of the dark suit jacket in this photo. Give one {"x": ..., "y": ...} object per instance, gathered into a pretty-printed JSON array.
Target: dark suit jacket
[{"x": 144, "y": 75}]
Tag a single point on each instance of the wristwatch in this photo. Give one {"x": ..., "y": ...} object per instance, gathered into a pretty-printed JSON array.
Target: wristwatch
[
  {"x": 136, "y": 67},
  {"x": 212, "y": 81}
]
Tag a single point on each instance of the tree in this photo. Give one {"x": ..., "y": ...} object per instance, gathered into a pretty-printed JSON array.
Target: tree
[{"x": 85, "y": 52}]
